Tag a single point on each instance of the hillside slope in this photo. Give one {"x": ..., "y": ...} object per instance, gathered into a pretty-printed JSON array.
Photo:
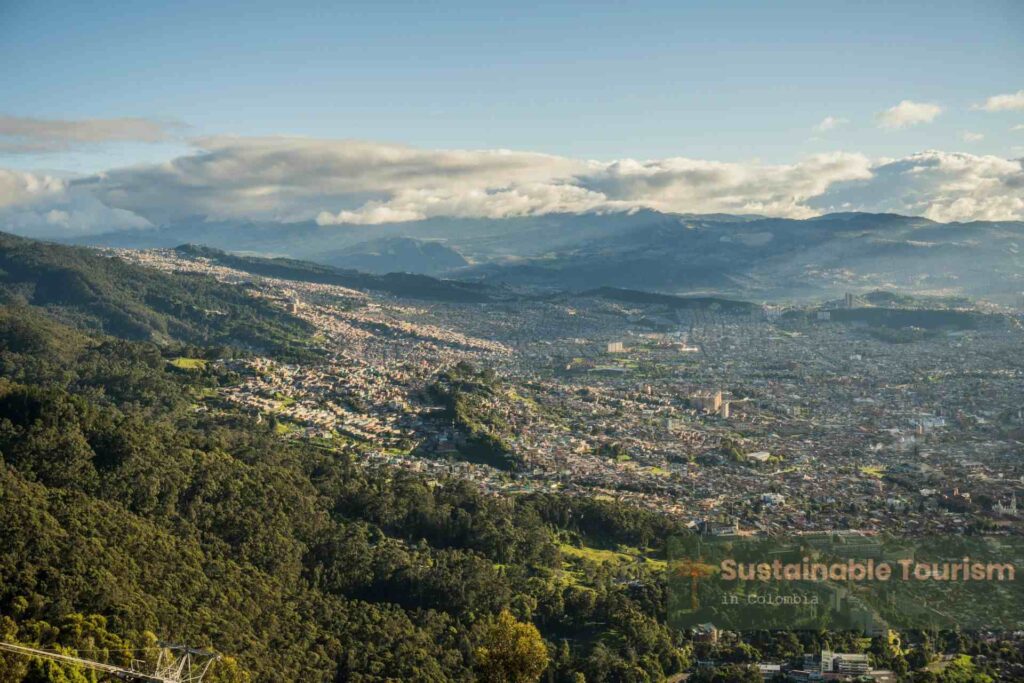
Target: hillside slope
[{"x": 110, "y": 296}]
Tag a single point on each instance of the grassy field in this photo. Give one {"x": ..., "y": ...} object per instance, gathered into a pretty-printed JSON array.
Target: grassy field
[
  {"x": 284, "y": 427},
  {"x": 189, "y": 363},
  {"x": 623, "y": 555}
]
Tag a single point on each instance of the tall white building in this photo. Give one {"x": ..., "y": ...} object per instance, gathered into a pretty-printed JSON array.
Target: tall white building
[{"x": 1009, "y": 510}]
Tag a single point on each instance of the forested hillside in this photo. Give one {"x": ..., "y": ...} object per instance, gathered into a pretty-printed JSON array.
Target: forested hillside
[{"x": 107, "y": 295}]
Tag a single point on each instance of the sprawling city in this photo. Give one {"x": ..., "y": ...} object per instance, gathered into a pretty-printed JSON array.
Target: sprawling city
[{"x": 747, "y": 419}]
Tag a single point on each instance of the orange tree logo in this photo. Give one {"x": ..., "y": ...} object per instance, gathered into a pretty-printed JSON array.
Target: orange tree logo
[{"x": 694, "y": 570}]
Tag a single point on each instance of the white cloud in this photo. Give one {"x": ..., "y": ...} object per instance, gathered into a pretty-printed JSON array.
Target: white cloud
[
  {"x": 908, "y": 113},
  {"x": 694, "y": 185},
  {"x": 19, "y": 134},
  {"x": 518, "y": 200},
  {"x": 971, "y": 136},
  {"x": 830, "y": 122},
  {"x": 1019, "y": 126},
  {"x": 1009, "y": 101},
  {"x": 20, "y": 188},
  {"x": 355, "y": 182},
  {"x": 46, "y": 206},
  {"x": 939, "y": 185}
]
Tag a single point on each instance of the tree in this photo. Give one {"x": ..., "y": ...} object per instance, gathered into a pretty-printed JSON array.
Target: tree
[
  {"x": 730, "y": 673},
  {"x": 511, "y": 651}
]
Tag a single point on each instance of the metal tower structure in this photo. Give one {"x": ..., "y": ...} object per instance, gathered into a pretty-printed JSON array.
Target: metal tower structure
[{"x": 175, "y": 663}]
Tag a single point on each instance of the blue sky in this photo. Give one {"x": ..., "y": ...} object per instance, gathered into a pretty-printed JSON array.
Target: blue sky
[
  {"x": 723, "y": 80},
  {"x": 724, "y": 96}
]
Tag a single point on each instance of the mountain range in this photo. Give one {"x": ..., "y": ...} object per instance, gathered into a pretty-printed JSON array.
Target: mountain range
[{"x": 751, "y": 257}]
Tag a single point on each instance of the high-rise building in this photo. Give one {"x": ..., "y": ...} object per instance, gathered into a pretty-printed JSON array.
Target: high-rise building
[{"x": 707, "y": 401}]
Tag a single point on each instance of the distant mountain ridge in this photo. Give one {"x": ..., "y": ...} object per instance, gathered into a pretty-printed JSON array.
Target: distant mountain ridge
[
  {"x": 735, "y": 256},
  {"x": 397, "y": 255},
  {"x": 781, "y": 258},
  {"x": 476, "y": 239},
  {"x": 397, "y": 284}
]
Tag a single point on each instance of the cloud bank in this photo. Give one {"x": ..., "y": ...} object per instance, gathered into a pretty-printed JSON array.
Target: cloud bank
[
  {"x": 358, "y": 182},
  {"x": 282, "y": 178},
  {"x": 942, "y": 186},
  {"x": 48, "y": 206},
  {"x": 696, "y": 186}
]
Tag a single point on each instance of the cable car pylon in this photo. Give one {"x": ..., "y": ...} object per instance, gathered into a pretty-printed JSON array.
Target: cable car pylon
[{"x": 175, "y": 663}]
